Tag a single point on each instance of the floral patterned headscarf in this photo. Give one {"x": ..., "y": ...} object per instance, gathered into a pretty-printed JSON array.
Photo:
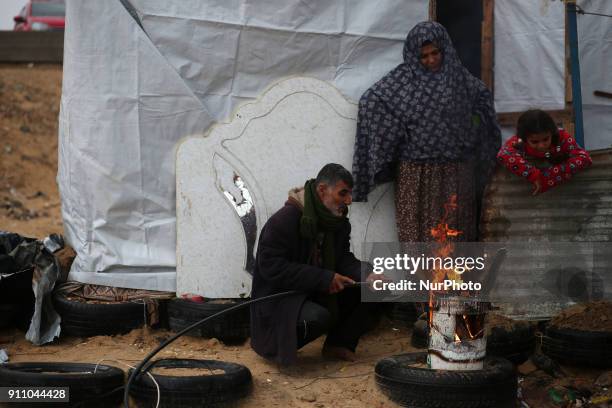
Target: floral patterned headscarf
[{"x": 413, "y": 114}]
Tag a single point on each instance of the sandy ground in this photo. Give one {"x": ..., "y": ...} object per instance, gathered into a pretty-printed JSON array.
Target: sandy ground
[
  {"x": 30, "y": 205},
  {"x": 29, "y": 109},
  {"x": 315, "y": 382}
]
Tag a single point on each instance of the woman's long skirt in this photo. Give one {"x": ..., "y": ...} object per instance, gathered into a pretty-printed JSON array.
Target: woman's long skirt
[{"x": 423, "y": 197}]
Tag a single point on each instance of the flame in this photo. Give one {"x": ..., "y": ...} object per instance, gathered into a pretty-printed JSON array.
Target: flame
[
  {"x": 457, "y": 339},
  {"x": 441, "y": 234},
  {"x": 469, "y": 327}
]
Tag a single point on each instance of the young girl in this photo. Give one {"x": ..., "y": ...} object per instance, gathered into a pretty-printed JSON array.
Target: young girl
[{"x": 540, "y": 152}]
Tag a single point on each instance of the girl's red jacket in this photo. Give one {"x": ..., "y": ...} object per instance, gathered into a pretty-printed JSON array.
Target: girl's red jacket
[{"x": 565, "y": 159}]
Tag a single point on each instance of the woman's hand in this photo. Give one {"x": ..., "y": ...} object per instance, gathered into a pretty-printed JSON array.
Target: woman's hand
[{"x": 537, "y": 187}]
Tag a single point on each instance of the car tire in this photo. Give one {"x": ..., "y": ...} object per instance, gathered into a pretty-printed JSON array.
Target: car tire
[
  {"x": 515, "y": 345},
  {"x": 101, "y": 388},
  {"x": 98, "y": 319},
  {"x": 493, "y": 386},
  {"x": 192, "y": 391},
  {"x": 231, "y": 329},
  {"x": 578, "y": 347},
  {"x": 420, "y": 334}
]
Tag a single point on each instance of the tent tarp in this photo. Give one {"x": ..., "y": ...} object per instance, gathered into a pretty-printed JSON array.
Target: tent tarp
[{"x": 129, "y": 95}]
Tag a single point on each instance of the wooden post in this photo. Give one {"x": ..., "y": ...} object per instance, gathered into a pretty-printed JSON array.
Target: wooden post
[
  {"x": 572, "y": 28},
  {"x": 568, "y": 69},
  {"x": 433, "y": 15},
  {"x": 487, "y": 44}
]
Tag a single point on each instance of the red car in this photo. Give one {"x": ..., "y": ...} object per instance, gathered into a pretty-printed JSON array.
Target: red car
[{"x": 38, "y": 15}]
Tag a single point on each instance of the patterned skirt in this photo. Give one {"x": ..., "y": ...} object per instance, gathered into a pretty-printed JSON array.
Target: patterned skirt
[{"x": 423, "y": 189}]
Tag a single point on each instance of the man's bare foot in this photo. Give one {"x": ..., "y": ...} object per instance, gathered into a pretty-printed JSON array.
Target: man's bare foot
[{"x": 338, "y": 353}]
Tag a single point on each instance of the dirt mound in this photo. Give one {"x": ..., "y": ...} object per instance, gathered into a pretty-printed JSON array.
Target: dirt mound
[
  {"x": 29, "y": 198},
  {"x": 593, "y": 316},
  {"x": 496, "y": 320}
]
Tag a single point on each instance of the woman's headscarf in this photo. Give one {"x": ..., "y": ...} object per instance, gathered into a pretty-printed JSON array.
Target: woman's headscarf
[{"x": 413, "y": 114}]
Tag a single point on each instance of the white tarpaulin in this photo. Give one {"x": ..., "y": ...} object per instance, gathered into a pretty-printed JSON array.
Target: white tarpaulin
[
  {"x": 529, "y": 55},
  {"x": 130, "y": 95},
  {"x": 595, "y": 44}
]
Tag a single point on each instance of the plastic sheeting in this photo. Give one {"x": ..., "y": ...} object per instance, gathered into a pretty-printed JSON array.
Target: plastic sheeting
[
  {"x": 530, "y": 61},
  {"x": 595, "y": 49},
  {"x": 130, "y": 95},
  {"x": 529, "y": 55}
]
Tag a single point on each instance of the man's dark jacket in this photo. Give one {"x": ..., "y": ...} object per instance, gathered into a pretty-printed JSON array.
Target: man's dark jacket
[{"x": 281, "y": 265}]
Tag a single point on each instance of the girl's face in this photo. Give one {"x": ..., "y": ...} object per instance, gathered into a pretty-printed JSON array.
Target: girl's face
[{"x": 539, "y": 141}]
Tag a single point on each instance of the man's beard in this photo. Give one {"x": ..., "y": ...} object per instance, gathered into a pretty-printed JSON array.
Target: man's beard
[{"x": 337, "y": 210}]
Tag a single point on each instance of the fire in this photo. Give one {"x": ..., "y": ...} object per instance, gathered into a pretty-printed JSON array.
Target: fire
[
  {"x": 457, "y": 324},
  {"x": 469, "y": 327},
  {"x": 441, "y": 234},
  {"x": 442, "y": 231}
]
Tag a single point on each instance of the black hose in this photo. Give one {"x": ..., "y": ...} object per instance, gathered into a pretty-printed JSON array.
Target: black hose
[{"x": 135, "y": 372}]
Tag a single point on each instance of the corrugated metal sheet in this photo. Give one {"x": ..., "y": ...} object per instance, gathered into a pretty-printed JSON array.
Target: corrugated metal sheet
[{"x": 578, "y": 211}]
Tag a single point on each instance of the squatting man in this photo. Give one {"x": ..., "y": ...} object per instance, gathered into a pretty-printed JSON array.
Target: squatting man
[{"x": 305, "y": 246}]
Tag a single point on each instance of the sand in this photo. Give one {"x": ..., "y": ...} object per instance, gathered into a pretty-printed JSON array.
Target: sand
[
  {"x": 29, "y": 109},
  {"x": 314, "y": 382}
]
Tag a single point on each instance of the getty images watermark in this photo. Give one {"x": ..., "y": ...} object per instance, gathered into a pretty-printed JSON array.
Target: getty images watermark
[
  {"x": 453, "y": 267},
  {"x": 501, "y": 272}
]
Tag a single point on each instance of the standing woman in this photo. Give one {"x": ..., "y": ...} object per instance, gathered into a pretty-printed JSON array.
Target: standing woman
[{"x": 429, "y": 125}]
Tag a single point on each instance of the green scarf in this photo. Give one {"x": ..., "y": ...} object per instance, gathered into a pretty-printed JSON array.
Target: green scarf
[{"x": 316, "y": 217}]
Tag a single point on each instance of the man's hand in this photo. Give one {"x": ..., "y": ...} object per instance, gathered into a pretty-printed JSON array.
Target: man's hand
[
  {"x": 338, "y": 283},
  {"x": 537, "y": 187}
]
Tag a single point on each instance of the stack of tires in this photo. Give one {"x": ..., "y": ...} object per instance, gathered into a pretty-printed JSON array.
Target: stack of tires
[{"x": 232, "y": 328}]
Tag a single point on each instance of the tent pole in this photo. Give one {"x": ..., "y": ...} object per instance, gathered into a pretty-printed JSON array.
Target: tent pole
[{"x": 575, "y": 64}]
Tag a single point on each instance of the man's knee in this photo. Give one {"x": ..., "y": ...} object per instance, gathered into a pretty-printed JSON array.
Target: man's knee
[
  {"x": 314, "y": 320},
  {"x": 313, "y": 314}
]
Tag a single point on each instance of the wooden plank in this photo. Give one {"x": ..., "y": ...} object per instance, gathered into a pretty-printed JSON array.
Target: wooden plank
[
  {"x": 487, "y": 44},
  {"x": 561, "y": 117},
  {"x": 568, "y": 69},
  {"x": 433, "y": 15},
  {"x": 31, "y": 46}
]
